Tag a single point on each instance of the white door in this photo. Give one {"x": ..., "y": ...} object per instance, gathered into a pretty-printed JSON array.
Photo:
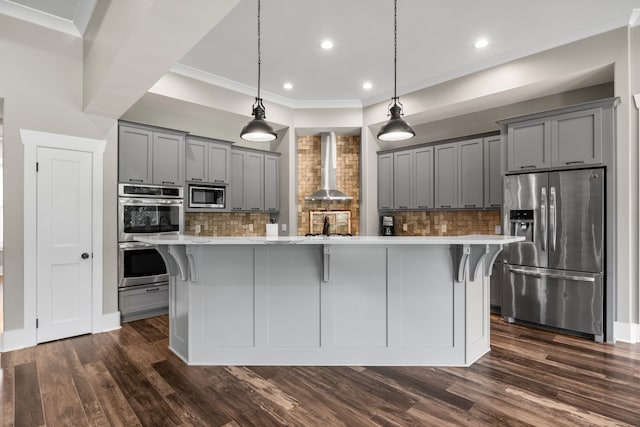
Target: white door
[{"x": 64, "y": 246}]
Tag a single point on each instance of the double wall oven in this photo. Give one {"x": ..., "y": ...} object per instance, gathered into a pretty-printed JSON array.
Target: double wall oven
[{"x": 143, "y": 283}]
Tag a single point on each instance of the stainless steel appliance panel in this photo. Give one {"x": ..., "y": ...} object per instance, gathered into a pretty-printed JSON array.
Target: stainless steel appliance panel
[
  {"x": 142, "y": 216},
  {"x": 576, "y": 220},
  {"x": 140, "y": 264},
  {"x": 527, "y": 192},
  {"x": 563, "y": 299}
]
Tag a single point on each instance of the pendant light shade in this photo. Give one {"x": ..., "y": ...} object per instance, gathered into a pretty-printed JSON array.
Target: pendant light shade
[
  {"x": 258, "y": 130},
  {"x": 395, "y": 129}
]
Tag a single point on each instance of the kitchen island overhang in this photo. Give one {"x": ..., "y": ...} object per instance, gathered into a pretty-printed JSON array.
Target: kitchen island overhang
[{"x": 364, "y": 300}]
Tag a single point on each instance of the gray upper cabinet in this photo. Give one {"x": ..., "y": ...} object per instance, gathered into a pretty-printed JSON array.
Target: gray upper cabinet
[
  {"x": 529, "y": 145},
  {"x": 577, "y": 138},
  {"x": 135, "y": 148},
  {"x": 250, "y": 172},
  {"x": 423, "y": 178},
  {"x": 385, "y": 181},
  {"x": 565, "y": 137},
  {"x": 470, "y": 174},
  {"x": 168, "y": 159},
  {"x": 402, "y": 180},
  {"x": 149, "y": 156},
  {"x": 271, "y": 183},
  {"x": 446, "y": 175},
  {"x": 208, "y": 160},
  {"x": 493, "y": 172}
]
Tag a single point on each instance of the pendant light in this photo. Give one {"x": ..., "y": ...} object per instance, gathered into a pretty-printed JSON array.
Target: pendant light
[
  {"x": 395, "y": 129},
  {"x": 257, "y": 130}
]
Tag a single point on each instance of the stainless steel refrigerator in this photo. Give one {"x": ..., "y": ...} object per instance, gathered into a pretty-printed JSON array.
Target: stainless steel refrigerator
[{"x": 556, "y": 276}]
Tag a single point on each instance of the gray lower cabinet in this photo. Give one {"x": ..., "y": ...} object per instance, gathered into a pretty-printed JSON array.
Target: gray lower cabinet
[
  {"x": 271, "y": 183},
  {"x": 385, "y": 181},
  {"x": 493, "y": 172},
  {"x": 446, "y": 175},
  {"x": 150, "y": 156},
  {"x": 254, "y": 182},
  {"x": 565, "y": 137},
  {"x": 140, "y": 302},
  {"x": 208, "y": 160},
  {"x": 495, "y": 286},
  {"x": 471, "y": 174}
]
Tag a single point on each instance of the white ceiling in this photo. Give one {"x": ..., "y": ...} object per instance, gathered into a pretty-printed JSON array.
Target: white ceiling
[{"x": 434, "y": 41}]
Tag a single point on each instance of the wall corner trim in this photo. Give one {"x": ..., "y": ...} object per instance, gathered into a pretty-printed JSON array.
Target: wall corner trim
[
  {"x": 110, "y": 321},
  {"x": 627, "y": 332}
]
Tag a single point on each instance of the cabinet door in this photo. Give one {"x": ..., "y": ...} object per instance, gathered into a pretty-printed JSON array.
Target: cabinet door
[
  {"x": 493, "y": 172},
  {"x": 219, "y": 163},
  {"x": 254, "y": 182},
  {"x": 271, "y": 183},
  {"x": 470, "y": 174},
  {"x": 236, "y": 186},
  {"x": 196, "y": 161},
  {"x": 168, "y": 159},
  {"x": 385, "y": 181},
  {"x": 423, "y": 177},
  {"x": 446, "y": 177},
  {"x": 529, "y": 145},
  {"x": 577, "y": 138},
  {"x": 402, "y": 176},
  {"x": 134, "y": 155}
]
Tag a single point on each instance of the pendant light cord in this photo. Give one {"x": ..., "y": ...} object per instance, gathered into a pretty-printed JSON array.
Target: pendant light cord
[
  {"x": 259, "y": 53},
  {"x": 395, "y": 49}
]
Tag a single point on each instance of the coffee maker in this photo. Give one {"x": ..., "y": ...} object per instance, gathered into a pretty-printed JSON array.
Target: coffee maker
[{"x": 386, "y": 225}]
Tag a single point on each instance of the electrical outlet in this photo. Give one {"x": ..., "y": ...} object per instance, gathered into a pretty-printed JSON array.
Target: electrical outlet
[
  {"x": 443, "y": 228},
  {"x": 198, "y": 228},
  {"x": 498, "y": 229},
  {"x": 284, "y": 227},
  {"x": 250, "y": 228},
  {"x": 404, "y": 227}
]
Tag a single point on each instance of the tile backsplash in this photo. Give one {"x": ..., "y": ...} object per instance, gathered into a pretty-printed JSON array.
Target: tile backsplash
[
  {"x": 347, "y": 179},
  {"x": 226, "y": 223},
  {"x": 446, "y": 223}
]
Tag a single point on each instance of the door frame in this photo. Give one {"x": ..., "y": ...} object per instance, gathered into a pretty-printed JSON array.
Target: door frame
[{"x": 32, "y": 140}]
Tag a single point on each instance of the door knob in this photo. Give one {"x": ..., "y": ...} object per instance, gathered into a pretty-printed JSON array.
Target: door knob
[{"x": 85, "y": 255}]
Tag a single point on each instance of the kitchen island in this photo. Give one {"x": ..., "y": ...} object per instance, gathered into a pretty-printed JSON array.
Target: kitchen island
[{"x": 364, "y": 300}]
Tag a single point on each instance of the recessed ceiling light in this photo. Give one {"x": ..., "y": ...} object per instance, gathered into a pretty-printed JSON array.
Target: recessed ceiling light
[
  {"x": 287, "y": 86},
  {"x": 326, "y": 44},
  {"x": 480, "y": 43},
  {"x": 367, "y": 85}
]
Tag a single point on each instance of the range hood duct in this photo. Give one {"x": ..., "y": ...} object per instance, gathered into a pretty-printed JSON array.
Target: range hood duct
[{"x": 328, "y": 164}]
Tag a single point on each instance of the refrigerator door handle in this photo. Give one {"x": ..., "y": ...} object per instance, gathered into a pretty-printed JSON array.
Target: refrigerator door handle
[
  {"x": 551, "y": 275},
  {"x": 552, "y": 217},
  {"x": 543, "y": 215}
]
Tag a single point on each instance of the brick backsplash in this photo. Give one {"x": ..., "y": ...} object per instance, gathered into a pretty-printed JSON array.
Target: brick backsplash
[
  {"x": 226, "y": 223},
  {"x": 347, "y": 177},
  {"x": 457, "y": 223}
]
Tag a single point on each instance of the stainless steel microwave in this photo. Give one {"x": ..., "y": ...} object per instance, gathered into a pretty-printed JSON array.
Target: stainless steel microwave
[{"x": 207, "y": 197}]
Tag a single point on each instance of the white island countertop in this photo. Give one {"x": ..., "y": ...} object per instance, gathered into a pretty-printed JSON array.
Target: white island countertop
[{"x": 475, "y": 239}]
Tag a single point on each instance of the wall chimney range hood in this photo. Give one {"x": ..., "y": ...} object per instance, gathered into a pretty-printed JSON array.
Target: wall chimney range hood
[{"x": 328, "y": 191}]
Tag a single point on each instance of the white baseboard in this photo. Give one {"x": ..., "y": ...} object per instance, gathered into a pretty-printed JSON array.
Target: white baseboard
[
  {"x": 626, "y": 332},
  {"x": 110, "y": 321},
  {"x": 17, "y": 339}
]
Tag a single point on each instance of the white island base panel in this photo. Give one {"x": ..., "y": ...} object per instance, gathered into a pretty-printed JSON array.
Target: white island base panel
[{"x": 324, "y": 304}]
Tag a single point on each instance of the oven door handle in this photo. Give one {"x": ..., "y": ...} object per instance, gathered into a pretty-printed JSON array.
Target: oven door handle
[{"x": 540, "y": 275}]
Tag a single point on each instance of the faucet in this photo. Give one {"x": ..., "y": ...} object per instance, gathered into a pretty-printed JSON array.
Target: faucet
[{"x": 325, "y": 226}]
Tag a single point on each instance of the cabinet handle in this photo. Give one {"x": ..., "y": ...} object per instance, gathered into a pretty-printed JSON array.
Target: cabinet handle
[
  {"x": 402, "y": 207},
  {"x": 153, "y": 290},
  {"x": 195, "y": 179},
  {"x": 445, "y": 206},
  {"x": 469, "y": 206},
  {"x": 135, "y": 180},
  {"x": 575, "y": 162},
  {"x": 385, "y": 207},
  {"x": 527, "y": 167},
  {"x": 423, "y": 207},
  {"x": 236, "y": 209},
  {"x": 168, "y": 182},
  {"x": 218, "y": 180}
]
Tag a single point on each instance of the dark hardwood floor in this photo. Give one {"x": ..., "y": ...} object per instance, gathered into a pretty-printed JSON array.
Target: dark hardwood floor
[{"x": 129, "y": 377}]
